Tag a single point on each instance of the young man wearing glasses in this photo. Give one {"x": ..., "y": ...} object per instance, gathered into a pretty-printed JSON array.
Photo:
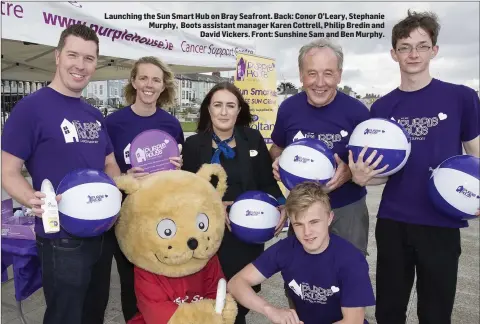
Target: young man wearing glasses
[{"x": 440, "y": 117}]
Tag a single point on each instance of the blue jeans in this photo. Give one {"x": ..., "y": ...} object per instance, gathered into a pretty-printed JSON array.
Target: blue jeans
[
  {"x": 76, "y": 278},
  {"x": 127, "y": 283}
]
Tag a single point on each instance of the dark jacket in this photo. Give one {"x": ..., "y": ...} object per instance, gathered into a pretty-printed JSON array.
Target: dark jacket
[
  {"x": 256, "y": 170},
  {"x": 256, "y": 174}
]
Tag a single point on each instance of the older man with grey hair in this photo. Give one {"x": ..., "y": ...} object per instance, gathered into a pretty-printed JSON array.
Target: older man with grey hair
[{"x": 324, "y": 113}]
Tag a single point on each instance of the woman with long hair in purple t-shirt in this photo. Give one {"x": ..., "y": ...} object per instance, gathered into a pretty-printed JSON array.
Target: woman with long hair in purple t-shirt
[{"x": 150, "y": 89}]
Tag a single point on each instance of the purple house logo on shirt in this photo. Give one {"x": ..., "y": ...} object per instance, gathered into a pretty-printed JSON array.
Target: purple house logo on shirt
[
  {"x": 126, "y": 154},
  {"x": 418, "y": 127},
  {"x": 313, "y": 294},
  {"x": 467, "y": 193},
  {"x": 328, "y": 138},
  {"x": 69, "y": 131},
  {"x": 75, "y": 131},
  {"x": 373, "y": 131}
]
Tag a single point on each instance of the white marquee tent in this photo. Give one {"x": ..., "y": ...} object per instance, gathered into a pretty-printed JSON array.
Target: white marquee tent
[{"x": 30, "y": 32}]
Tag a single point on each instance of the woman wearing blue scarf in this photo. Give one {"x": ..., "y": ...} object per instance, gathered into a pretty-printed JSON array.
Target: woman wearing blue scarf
[{"x": 224, "y": 136}]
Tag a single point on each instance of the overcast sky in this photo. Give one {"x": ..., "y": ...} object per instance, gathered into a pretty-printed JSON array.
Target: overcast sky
[{"x": 368, "y": 66}]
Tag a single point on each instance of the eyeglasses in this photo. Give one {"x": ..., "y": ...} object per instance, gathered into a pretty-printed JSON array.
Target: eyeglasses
[{"x": 404, "y": 49}]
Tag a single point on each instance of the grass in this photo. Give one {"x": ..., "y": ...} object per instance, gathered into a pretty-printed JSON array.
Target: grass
[{"x": 189, "y": 126}]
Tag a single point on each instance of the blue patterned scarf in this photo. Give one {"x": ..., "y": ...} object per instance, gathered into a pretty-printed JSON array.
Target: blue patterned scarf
[{"x": 223, "y": 147}]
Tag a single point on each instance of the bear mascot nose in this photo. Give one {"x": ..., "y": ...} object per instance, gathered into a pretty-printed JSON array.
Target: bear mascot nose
[{"x": 192, "y": 243}]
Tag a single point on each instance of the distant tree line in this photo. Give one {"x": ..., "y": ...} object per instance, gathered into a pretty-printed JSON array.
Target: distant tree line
[{"x": 290, "y": 88}]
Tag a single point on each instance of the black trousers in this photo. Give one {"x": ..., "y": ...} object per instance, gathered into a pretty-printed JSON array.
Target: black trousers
[
  {"x": 76, "y": 279},
  {"x": 127, "y": 283},
  {"x": 234, "y": 255},
  {"x": 433, "y": 253}
]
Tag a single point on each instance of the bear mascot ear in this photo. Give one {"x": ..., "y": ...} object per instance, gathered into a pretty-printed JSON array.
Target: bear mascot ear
[
  {"x": 127, "y": 183},
  {"x": 209, "y": 170}
]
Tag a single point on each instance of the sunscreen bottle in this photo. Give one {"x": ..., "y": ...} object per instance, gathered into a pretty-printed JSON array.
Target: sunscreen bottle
[{"x": 50, "y": 218}]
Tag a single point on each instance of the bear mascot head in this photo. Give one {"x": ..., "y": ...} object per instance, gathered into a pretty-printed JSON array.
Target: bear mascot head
[{"x": 170, "y": 227}]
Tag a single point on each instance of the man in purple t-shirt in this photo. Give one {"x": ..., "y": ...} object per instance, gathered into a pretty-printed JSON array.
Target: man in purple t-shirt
[
  {"x": 412, "y": 236},
  {"x": 324, "y": 113},
  {"x": 327, "y": 276},
  {"x": 53, "y": 132}
]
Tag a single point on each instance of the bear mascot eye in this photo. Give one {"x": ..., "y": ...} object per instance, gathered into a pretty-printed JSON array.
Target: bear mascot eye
[
  {"x": 202, "y": 222},
  {"x": 166, "y": 228}
]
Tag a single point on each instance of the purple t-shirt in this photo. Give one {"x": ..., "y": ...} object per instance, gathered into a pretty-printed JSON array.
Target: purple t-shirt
[
  {"x": 439, "y": 118},
  {"x": 55, "y": 134},
  {"x": 333, "y": 123},
  {"x": 124, "y": 125},
  {"x": 320, "y": 284}
]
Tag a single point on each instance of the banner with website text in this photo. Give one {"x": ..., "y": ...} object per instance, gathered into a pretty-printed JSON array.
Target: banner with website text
[
  {"x": 125, "y": 31},
  {"x": 256, "y": 77}
]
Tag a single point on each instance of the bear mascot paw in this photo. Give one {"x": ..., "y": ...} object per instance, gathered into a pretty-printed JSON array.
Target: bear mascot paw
[{"x": 170, "y": 227}]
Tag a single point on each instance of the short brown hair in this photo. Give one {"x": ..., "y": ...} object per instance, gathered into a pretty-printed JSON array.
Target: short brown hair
[
  {"x": 305, "y": 195},
  {"x": 84, "y": 32},
  {"x": 425, "y": 20},
  {"x": 167, "y": 97}
]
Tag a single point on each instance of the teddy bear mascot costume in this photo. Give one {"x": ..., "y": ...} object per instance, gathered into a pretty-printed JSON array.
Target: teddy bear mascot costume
[{"x": 170, "y": 227}]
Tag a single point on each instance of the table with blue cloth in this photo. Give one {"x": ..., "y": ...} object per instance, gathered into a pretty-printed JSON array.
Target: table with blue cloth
[{"x": 27, "y": 271}]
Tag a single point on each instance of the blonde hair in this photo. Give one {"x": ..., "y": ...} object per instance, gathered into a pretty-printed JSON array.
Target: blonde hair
[
  {"x": 305, "y": 195},
  {"x": 167, "y": 97}
]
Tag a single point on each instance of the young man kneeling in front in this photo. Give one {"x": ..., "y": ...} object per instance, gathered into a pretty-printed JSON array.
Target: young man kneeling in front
[{"x": 327, "y": 275}]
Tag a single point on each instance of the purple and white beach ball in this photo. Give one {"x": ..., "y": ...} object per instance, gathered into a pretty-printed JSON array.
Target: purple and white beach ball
[
  {"x": 307, "y": 159},
  {"x": 90, "y": 202},
  {"x": 454, "y": 187},
  {"x": 253, "y": 217},
  {"x": 386, "y": 136}
]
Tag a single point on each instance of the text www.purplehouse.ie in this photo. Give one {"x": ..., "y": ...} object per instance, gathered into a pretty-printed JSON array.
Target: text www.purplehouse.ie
[{"x": 64, "y": 22}]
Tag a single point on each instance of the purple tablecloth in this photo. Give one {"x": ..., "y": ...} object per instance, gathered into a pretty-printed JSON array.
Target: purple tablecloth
[{"x": 27, "y": 271}]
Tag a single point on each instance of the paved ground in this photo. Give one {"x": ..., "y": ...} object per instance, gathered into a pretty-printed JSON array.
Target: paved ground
[{"x": 466, "y": 306}]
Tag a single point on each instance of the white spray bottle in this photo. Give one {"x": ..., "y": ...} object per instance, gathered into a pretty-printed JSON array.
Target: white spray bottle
[{"x": 50, "y": 218}]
